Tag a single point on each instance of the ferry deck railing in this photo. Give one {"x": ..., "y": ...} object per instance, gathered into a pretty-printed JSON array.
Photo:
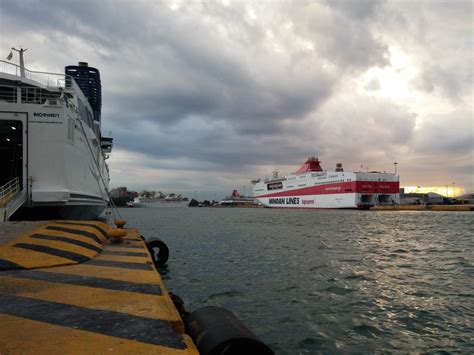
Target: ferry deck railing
[
  {"x": 55, "y": 80},
  {"x": 9, "y": 191},
  {"x": 45, "y": 78}
]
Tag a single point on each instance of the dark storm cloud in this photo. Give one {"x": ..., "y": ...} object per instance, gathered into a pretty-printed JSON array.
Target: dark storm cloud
[
  {"x": 99, "y": 21},
  {"x": 447, "y": 135},
  {"x": 367, "y": 131},
  {"x": 250, "y": 106},
  {"x": 207, "y": 148},
  {"x": 359, "y": 10},
  {"x": 342, "y": 33},
  {"x": 254, "y": 94},
  {"x": 439, "y": 34},
  {"x": 222, "y": 77},
  {"x": 185, "y": 68},
  {"x": 452, "y": 83},
  {"x": 240, "y": 86}
]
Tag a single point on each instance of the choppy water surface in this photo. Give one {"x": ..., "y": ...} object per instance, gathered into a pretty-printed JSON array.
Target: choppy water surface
[{"x": 326, "y": 281}]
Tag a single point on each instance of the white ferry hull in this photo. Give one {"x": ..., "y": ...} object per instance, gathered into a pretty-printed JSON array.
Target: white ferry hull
[
  {"x": 329, "y": 189},
  {"x": 172, "y": 203},
  {"x": 62, "y": 160},
  {"x": 311, "y": 201},
  {"x": 58, "y": 172}
]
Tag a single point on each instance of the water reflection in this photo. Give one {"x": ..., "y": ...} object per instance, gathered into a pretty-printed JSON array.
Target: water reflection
[{"x": 326, "y": 281}]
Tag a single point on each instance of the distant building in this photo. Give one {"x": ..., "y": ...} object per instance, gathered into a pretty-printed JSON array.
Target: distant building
[
  {"x": 119, "y": 192},
  {"x": 131, "y": 194},
  {"x": 411, "y": 198},
  {"x": 467, "y": 198},
  {"x": 433, "y": 198},
  {"x": 415, "y": 198}
]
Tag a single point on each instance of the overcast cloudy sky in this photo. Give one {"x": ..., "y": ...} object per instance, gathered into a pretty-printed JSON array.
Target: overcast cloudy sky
[{"x": 202, "y": 96}]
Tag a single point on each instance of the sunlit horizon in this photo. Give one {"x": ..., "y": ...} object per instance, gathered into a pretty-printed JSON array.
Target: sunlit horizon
[{"x": 447, "y": 191}]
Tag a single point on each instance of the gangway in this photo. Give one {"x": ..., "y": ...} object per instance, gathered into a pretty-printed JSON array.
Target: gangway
[{"x": 12, "y": 197}]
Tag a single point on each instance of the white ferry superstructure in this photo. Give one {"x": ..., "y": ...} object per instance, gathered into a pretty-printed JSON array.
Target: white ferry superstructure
[
  {"x": 51, "y": 145},
  {"x": 312, "y": 187}
]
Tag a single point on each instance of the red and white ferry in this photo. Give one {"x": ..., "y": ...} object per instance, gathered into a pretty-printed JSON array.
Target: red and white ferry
[{"x": 312, "y": 187}]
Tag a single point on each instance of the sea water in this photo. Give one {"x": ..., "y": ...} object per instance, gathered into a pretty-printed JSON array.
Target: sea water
[{"x": 325, "y": 281}]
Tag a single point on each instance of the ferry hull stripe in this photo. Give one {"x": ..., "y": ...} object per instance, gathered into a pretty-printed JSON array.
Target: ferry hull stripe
[
  {"x": 126, "y": 265},
  {"x": 110, "y": 323},
  {"x": 361, "y": 187}
]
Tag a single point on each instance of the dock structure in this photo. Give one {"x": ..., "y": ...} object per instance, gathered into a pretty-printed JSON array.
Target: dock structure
[
  {"x": 423, "y": 208},
  {"x": 65, "y": 289}
]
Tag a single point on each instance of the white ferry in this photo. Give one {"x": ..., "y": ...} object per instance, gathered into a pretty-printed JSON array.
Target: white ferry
[
  {"x": 236, "y": 199},
  {"x": 312, "y": 187},
  {"x": 173, "y": 198},
  {"x": 52, "y": 153}
]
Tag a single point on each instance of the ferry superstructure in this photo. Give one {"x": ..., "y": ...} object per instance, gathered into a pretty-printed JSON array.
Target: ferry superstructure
[
  {"x": 51, "y": 147},
  {"x": 312, "y": 187}
]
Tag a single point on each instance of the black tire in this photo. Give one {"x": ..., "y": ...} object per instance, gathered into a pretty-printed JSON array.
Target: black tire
[
  {"x": 216, "y": 331},
  {"x": 159, "y": 251}
]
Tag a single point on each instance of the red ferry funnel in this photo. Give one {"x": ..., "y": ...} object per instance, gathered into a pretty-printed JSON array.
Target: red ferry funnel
[{"x": 312, "y": 164}]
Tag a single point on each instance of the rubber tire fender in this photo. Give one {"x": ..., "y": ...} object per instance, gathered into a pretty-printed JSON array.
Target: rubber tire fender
[
  {"x": 159, "y": 251},
  {"x": 217, "y": 331}
]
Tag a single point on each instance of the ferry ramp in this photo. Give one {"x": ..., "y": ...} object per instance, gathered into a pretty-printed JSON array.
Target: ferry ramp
[
  {"x": 12, "y": 197},
  {"x": 65, "y": 289}
]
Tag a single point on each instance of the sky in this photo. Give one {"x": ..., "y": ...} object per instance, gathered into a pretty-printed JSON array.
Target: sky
[{"x": 200, "y": 97}]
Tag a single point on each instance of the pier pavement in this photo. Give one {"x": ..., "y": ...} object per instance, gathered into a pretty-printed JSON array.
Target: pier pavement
[{"x": 65, "y": 289}]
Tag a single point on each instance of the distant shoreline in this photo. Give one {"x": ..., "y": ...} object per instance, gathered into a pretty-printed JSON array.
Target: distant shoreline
[{"x": 423, "y": 208}]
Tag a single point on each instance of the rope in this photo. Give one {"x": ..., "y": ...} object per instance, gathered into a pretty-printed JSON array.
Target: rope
[{"x": 113, "y": 207}]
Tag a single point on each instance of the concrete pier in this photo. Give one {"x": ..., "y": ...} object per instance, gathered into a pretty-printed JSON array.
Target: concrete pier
[
  {"x": 11, "y": 230},
  {"x": 65, "y": 289}
]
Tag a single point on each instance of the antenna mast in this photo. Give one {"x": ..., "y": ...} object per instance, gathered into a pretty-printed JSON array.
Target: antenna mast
[{"x": 22, "y": 61}]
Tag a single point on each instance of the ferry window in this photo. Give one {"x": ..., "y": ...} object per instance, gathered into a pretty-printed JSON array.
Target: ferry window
[
  {"x": 28, "y": 95},
  {"x": 275, "y": 185},
  {"x": 8, "y": 93}
]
